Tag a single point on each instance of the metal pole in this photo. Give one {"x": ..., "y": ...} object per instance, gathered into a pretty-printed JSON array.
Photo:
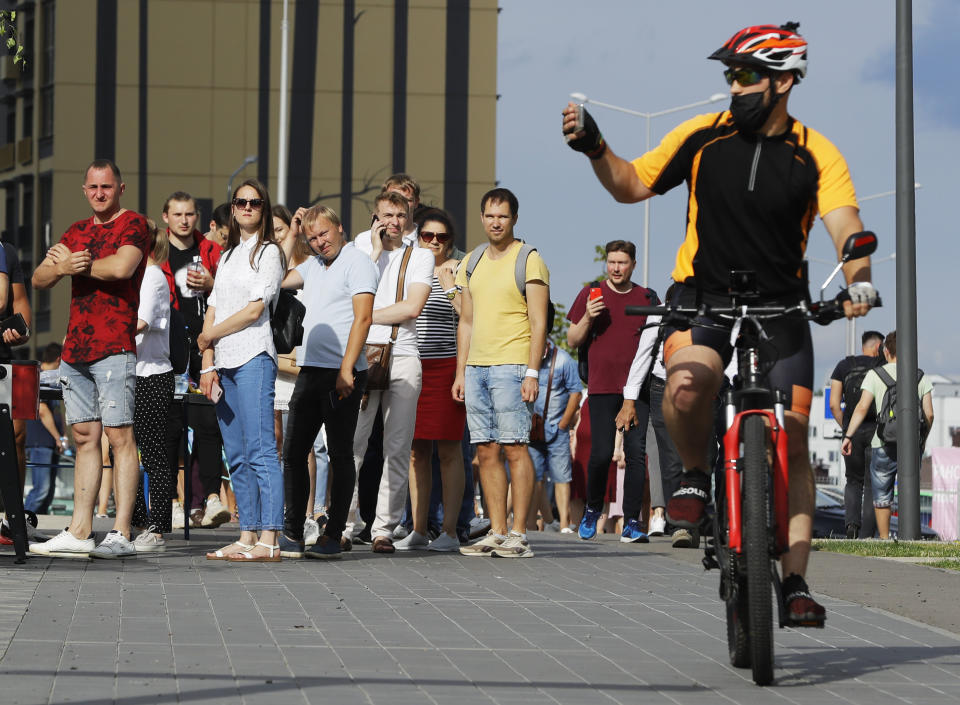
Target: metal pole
[
  {"x": 908, "y": 449},
  {"x": 284, "y": 99},
  {"x": 646, "y": 224}
]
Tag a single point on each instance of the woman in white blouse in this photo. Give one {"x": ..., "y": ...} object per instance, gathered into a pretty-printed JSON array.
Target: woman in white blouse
[
  {"x": 239, "y": 358},
  {"x": 154, "y": 393}
]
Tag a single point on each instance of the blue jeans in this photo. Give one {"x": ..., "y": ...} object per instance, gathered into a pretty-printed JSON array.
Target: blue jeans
[
  {"x": 42, "y": 476},
  {"x": 245, "y": 413},
  {"x": 495, "y": 410},
  {"x": 883, "y": 474},
  {"x": 552, "y": 460}
]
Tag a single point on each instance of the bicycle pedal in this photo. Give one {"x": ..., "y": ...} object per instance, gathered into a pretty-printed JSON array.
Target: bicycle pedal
[{"x": 807, "y": 623}]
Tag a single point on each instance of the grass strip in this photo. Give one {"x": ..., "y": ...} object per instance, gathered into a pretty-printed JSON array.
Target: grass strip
[
  {"x": 948, "y": 563},
  {"x": 891, "y": 549}
]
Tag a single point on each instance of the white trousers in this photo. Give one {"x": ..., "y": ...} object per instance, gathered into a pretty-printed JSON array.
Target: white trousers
[{"x": 399, "y": 405}]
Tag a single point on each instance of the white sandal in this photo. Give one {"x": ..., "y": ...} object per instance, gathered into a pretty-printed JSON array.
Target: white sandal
[
  {"x": 248, "y": 557},
  {"x": 220, "y": 555}
]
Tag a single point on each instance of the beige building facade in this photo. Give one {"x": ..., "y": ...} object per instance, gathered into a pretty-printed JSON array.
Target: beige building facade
[{"x": 181, "y": 92}]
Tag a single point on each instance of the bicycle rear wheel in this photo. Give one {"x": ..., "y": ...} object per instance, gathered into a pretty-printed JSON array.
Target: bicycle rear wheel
[{"x": 756, "y": 544}]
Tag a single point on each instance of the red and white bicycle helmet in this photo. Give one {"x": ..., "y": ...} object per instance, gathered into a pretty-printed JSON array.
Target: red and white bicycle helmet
[{"x": 767, "y": 47}]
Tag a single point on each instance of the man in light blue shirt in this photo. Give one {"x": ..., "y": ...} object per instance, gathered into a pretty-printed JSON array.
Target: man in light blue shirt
[
  {"x": 339, "y": 285},
  {"x": 552, "y": 455}
]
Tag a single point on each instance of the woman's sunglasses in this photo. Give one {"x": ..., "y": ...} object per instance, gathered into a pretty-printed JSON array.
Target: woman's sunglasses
[
  {"x": 745, "y": 77},
  {"x": 428, "y": 236},
  {"x": 255, "y": 203}
]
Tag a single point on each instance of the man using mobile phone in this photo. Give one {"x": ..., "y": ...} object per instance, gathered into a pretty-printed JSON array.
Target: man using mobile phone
[
  {"x": 338, "y": 284},
  {"x": 104, "y": 256},
  {"x": 598, "y": 316}
]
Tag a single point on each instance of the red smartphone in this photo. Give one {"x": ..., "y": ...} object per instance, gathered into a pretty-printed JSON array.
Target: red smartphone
[{"x": 595, "y": 293}]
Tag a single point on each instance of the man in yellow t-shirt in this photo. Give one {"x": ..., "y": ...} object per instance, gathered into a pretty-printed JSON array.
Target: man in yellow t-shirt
[{"x": 500, "y": 342}]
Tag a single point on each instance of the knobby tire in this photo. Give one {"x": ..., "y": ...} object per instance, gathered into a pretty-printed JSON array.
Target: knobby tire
[{"x": 755, "y": 488}]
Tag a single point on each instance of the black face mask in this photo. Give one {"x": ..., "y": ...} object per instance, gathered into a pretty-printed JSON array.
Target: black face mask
[{"x": 749, "y": 112}]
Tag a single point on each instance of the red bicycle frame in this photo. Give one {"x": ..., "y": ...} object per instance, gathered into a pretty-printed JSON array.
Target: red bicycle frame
[{"x": 731, "y": 449}]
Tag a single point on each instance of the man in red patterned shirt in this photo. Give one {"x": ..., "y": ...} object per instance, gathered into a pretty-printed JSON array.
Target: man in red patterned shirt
[{"x": 104, "y": 256}]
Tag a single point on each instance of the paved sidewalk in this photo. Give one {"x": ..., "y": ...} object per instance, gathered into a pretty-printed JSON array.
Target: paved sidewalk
[{"x": 582, "y": 622}]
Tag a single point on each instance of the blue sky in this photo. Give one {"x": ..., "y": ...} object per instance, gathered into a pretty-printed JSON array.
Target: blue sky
[{"x": 650, "y": 55}]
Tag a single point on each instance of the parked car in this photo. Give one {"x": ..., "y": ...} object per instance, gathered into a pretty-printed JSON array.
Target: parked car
[{"x": 829, "y": 519}]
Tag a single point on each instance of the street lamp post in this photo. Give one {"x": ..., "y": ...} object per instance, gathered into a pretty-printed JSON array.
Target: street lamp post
[
  {"x": 581, "y": 98},
  {"x": 246, "y": 162}
]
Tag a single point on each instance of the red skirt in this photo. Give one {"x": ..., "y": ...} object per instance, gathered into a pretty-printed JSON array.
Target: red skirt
[
  {"x": 581, "y": 459},
  {"x": 439, "y": 417}
]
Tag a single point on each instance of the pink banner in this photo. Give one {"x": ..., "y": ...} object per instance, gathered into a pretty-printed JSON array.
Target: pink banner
[{"x": 946, "y": 493}]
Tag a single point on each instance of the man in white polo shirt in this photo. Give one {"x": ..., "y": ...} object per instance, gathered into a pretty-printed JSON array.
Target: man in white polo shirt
[
  {"x": 339, "y": 286},
  {"x": 399, "y": 402}
]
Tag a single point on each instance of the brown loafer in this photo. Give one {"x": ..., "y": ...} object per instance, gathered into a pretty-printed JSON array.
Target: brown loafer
[{"x": 382, "y": 544}]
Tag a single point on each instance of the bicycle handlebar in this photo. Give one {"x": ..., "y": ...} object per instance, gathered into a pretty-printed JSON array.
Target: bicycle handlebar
[{"x": 821, "y": 312}]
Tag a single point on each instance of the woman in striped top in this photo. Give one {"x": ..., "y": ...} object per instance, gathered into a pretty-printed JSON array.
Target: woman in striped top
[{"x": 439, "y": 417}]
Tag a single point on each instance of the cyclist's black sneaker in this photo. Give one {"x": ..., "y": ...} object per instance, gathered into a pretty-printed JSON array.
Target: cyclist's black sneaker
[
  {"x": 686, "y": 506},
  {"x": 802, "y": 609}
]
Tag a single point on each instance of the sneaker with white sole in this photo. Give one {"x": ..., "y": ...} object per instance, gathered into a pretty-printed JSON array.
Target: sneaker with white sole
[
  {"x": 567, "y": 530},
  {"x": 411, "y": 542},
  {"x": 444, "y": 543},
  {"x": 658, "y": 526},
  {"x": 176, "y": 516},
  {"x": 114, "y": 545},
  {"x": 400, "y": 532},
  {"x": 515, "y": 546},
  {"x": 483, "y": 547},
  {"x": 64, "y": 545},
  {"x": 150, "y": 542},
  {"x": 311, "y": 531},
  {"x": 552, "y": 526},
  {"x": 632, "y": 533},
  {"x": 685, "y": 538},
  {"x": 214, "y": 514}
]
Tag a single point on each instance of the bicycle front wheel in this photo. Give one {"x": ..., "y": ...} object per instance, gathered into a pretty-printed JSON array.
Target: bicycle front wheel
[{"x": 755, "y": 488}]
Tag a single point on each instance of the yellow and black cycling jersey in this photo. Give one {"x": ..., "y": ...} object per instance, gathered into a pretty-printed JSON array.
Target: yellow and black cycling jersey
[{"x": 752, "y": 199}]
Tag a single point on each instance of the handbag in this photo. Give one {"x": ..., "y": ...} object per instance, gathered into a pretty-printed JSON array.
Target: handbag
[
  {"x": 538, "y": 432},
  {"x": 286, "y": 322},
  {"x": 378, "y": 354}
]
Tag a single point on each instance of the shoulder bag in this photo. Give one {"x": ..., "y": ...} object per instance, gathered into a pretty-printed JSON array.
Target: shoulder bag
[
  {"x": 538, "y": 432},
  {"x": 378, "y": 354}
]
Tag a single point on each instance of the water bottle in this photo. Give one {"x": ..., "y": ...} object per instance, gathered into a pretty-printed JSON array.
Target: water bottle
[{"x": 182, "y": 384}]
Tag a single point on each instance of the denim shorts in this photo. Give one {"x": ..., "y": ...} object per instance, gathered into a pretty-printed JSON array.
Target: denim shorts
[
  {"x": 883, "y": 473},
  {"x": 100, "y": 391},
  {"x": 553, "y": 457},
  {"x": 495, "y": 410}
]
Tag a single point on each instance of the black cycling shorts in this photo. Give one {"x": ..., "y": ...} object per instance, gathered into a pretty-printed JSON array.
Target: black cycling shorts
[{"x": 789, "y": 348}]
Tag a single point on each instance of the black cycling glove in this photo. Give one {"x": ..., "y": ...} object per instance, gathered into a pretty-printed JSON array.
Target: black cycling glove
[{"x": 592, "y": 143}]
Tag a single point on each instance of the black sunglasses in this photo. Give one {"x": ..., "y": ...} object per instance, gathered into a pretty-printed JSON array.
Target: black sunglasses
[
  {"x": 255, "y": 203},
  {"x": 745, "y": 77},
  {"x": 428, "y": 236}
]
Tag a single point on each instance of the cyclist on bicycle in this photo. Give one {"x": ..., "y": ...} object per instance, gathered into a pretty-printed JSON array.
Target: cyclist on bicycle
[{"x": 756, "y": 178}]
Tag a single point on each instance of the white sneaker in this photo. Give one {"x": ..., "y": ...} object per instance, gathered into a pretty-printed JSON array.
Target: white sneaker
[
  {"x": 444, "y": 542},
  {"x": 514, "y": 547},
  {"x": 658, "y": 525},
  {"x": 412, "y": 542},
  {"x": 567, "y": 530},
  {"x": 64, "y": 545},
  {"x": 114, "y": 545},
  {"x": 552, "y": 526},
  {"x": 215, "y": 513},
  {"x": 176, "y": 516},
  {"x": 311, "y": 532},
  {"x": 150, "y": 542},
  {"x": 400, "y": 532}
]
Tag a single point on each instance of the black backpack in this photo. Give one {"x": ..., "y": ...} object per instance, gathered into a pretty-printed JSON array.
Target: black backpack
[
  {"x": 887, "y": 417},
  {"x": 852, "y": 383}
]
